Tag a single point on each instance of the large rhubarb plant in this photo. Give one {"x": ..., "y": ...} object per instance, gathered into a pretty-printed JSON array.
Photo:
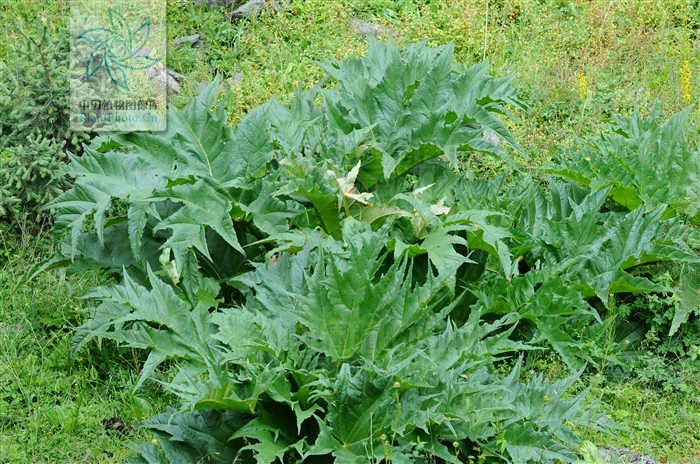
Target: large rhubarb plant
[
  {"x": 643, "y": 161},
  {"x": 333, "y": 288}
]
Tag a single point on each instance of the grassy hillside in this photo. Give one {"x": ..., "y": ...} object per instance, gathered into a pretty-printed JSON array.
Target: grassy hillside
[{"x": 576, "y": 64}]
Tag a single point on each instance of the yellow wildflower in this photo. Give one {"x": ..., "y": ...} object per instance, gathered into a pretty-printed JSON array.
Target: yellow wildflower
[
  {"x": 583, "y": 85},
  {"x": 685, "y": 81}
]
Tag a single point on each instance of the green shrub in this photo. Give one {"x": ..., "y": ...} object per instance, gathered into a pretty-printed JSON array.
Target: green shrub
[{"x": 34, "y": 128}]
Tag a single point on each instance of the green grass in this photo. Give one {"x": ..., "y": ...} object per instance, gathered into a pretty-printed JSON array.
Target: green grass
[
  {"x": 659, "y": 417},
  {"x": 657, "y": 406},
  {"x": 630, "y": 54},
  {"x": 52, "y": 410},
  {"x": 664, "y": 426}
]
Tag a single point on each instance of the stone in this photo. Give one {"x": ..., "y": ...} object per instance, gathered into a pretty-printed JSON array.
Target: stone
[
  {"x": 236, "y": 79},
  {"x": 623, "y": 455},
  {"x": 366, "y": 28},
  {"x": 191, "y": 39},
  {"x": 163, "y": 78},
  {"x": 217, "y": 3},
  {"x": 253, "y": 8}
]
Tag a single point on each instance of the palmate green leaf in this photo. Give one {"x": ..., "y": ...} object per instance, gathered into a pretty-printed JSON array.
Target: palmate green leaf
[
  {"x": 225, "y": 397},
  {"x": 418, "y": 105},
  {"x": 113, "y": 256},
  {"x": 251, "y": 148},
  {"x": 564, "y": 222},
  {"x": 351, "y": 305},
  {"x": 154, "y": 319},
  {"x": 536, "y": 427},
  {"x": 449, "y": 231},
  {"x": 200, "y": 135},
  {"x": 468, "y": 403},
  {"x": 310, "y": 184},
  {"x": 483, "y": 235},
  {"x": 124, "y": 174},
  {"x": 271, "y": 214},
  {"x": 642, "y": 161},
  {"x": 578, "y": 224},
  {"x": 568, "y": 224},
  {"x": 289, "y": 127},
  {"x": 690, "y": 296},
  {"x": 553, "y": 305},
  {"x": 209, "y": 148},
  {"x": 417, "y": 312},
  {"x": 439, "y": 245},
  {"x": 492, "y": 94},
  {"x": 560, "y": 313},
  {"x": 362, "y": 408},
  {"x": 524, "y": 444},
  {"x": 343, "y": 306},
  {"x": 275, "y": 434},
  {"x": 472, "y": 345},
  {"x": 199, "y": 164},
  {"x": 242, "y": 387},
  {"x": 199, "y": 144},
  {"x": 188, "y": 437},
  {"x": 627, "y": 242},
  {"x": 326, "y": 444},
  {"x": 202, "y": 205},
  {"x": 101, "y": 178},
  {"x": 273, "y": 289},
  {"x": 639, "y": 240},
  {"x": 248, "y": 335},
  {"x": 462, "y": 404},
  {"x": 275, "y": 438}
]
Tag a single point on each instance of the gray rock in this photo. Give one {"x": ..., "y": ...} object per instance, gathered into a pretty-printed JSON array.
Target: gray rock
[
  {"x": 191, "y": 39},
  {"x": 233, "y": 81},
  {"x": 612, "y": 455},
  {"x": 253, "y": 8},
  {"x": 12, "y": 328},
  {"x": 175, "y": 73},
  {"x": 217, "y": 3},
  {"x": 366, "y": 28},
  {"x": 623, "y": 455},
  {"x": 236, "y": 79},
  {"x": 162, "y": 78}
]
